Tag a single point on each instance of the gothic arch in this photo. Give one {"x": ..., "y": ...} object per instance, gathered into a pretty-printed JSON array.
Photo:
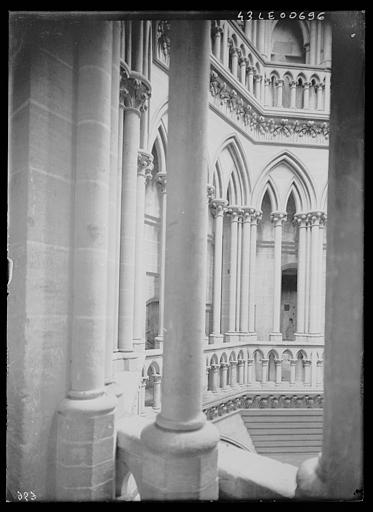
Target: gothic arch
[
  {"x": 301, "y": 179},
  {"x": 273, "y": 196},
  {"x": 324, "y": 198},
  {"x": 303, "y": 27},
  {"x": 158, "y": 120},
  {"x": 160, "y": 145},
  {"x": 241, "y": 179}
]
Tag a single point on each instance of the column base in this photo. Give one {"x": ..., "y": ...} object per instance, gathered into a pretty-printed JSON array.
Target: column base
[
  {"x": 275, "y": 337},
  {"x": 179, "y": 465},
  {"x": 85, "y": 449},
  {"x": 215, "y": 339}
]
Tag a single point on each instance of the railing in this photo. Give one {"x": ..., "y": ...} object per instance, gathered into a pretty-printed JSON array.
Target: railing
[{"x": 247, "y": 367}]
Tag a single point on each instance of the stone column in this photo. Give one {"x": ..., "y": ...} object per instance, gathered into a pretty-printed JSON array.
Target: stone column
[
  {"x": 314, "y": 310},
  {"x": 327, "y": 93},
  {"x": 327, "y": 45},
  {"x": 233, "y": 374},
  {"x": 242, "y": 63},
  {"x": 257, "y": 86},
  {"x": 319, "y": 97},
  {"x": 162, "y": 182},
  {"x": 245, "y": 269},
  {"x": 233, "y": 269},
  {"x": 135, "y": 91},
  {"x": 261, "y": 34},
  {"x": 308, "y": 268},
  {"x": 307, "y": 372},
  {"x": 319, "y": 375},
  {"x": 255, "y": 218},
  {"x": 181, "y": 444},
  {"x": 215, "y": 377},
  {"x": 217, "y": 41},
  {"x": 293, "y": 93},
  {"x": 313, "y": 27},
  {"x": 248, "y": 29},
  {"x": 240, "y": 371},
  {"x": 156, "y": 392},
  {"x": 265, "y": 370},
  {"x": 267, "y": 83},
  {"x": 206, "y": 381},
  {"x": 300, "y": 220},
  {"x": 218, "y": 206},
  {"x": 141, "y": 396},
  {"x": 277, "y": 218},
  {"x": 234, "y": 53},
  {"x": 250, "y": 367},
  {"x": 306, "y": 97},
  {"x": 145, "y": 167},
  {"x": 250, "y": 79},
  {"x": 86, "y": 416},
  {"x": 254, "y": 32},
  {"x": 280, "y": 84},
  {"x": 321, "y": 273},
  {"x": 238, "y": 272},
  {"x": 278, "y": 371},
  {"x": 292, "y": 371},
  {"x": 225, "y": 46},
  {"x": 223, "y": 375},
  {"x": 338, "y": 474}
]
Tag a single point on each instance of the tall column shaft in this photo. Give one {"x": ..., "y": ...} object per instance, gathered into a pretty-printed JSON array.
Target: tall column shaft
[
  {"x": 238, "y": 273},
  {"x": 301, "y": 221},
  {"x": 313, "y": 28},
  {"x": 307, "y": 287},
  {"x": 253, "y": 233},
  {"x": 162, "y": 181},
  {"x": 277, "y": 219},
  {"x": 314, "y": 277},
  {"x": 144, "y": 169},
  {"x": 112, "y": 277},
  {"x": 293, "y": 94},
  {"x": 91, "y": 212},
  {"x": 280, "y": 84},
  {"x": 134, "y": 93},
  {"x": 233, "y": 270},
  {"x": 225, "y": 45},
  {"x": 306, "y": 97},
  {"x": 218, "y": 206},
  {"x": 261, "y": 36},
  {"x": 250, "y": 80},
  {"x": 245, "y": 270}
]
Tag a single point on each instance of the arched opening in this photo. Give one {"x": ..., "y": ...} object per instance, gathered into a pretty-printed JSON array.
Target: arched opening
[
  {"x": 271, "y": 367},
  {"x": 287, "y": 42},
  {"x": 289, "y": 303},
  {"x": 299, "y": 367},
  {"x": 299, "y": 90},
  {"x": 258, "y": 356},
  {"x": 151, "y": 374},
  {"x": 152, "y": 321},
  {"x": 285, "y": 366},
  {"x": 286, "y": 92}
]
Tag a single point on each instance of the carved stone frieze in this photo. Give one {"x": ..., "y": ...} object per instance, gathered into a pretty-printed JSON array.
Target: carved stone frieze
[
  {"x": 264, "y": 401},
  {"x": 262, "y": 126}
]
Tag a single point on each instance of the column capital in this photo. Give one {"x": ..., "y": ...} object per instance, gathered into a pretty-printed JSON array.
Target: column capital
[
  {"x": 232, "y": 363},
  {"x": 307, "y": 362},
  {"x": 278, "y": 217},
  {"x": 234, "y": 212},
  {"x": 145, "y": 164},
  {"x": 217, "y": 30},
  {"x": 161, "y": 178},
  {"x": 251, "y": 69},
  {"x": 300, "y": 220},
  {"x": 241, "y": 362},
  {"x": 247, "y": 213},
  {"x": 267, "y": 81},
  {"x": 224, "y": 364},
  {"x": 280, "y": 82},
  {"x": 214, "y": 366},
  {"x": 293, "y": 362},
  {"x": 278, "y": 362},
  {"x": 218, "y": 206},
  {"x": 306, "y": 85},
  {"x": 135, "y": 91},
  {"x": 258, "y": 77},
  {"x": 250, "y": 361},
  {"x": 316, "y": 218},
  {"x": 293, "y": 83},
  {"x": 265, "y": 361},
  {"x": 256, "y": 216},
  {"x": 319, "y": 362}
]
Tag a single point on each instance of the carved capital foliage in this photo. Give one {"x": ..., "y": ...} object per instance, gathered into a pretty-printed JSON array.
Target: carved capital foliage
[
  {"x": 300, "y": 220},
  {"x": 278, "y": 217},
  {"x": 135, "y": 92},
  {"x": 145, "y": 164},
  {"x": 163, "y": 37},
  {"x": 234, "y": 212},
  {"x": 317, "y": 218},
  {"x": 218, "y": 206}
]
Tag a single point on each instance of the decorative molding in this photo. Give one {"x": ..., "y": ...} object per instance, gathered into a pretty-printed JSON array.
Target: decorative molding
[
  {"x": 145, "y": 164},
  {"x": 278, "y": 217},
  {"x": 264, "y": 401},
  {"x": 161, "y": 178},
  {"x": 210, "y": 192},
  {"x": 162, "y": 42},
  {"x": 238, "y": 107},
  {"x": 218, "y": 206}
]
